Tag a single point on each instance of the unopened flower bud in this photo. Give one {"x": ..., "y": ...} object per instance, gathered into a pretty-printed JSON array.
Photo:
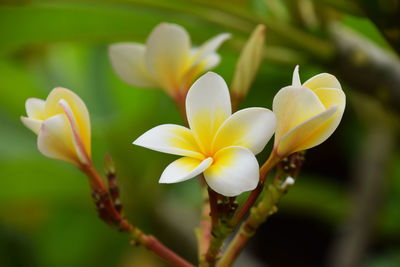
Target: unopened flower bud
[
  {"x": 248, "y": 63},
  {"x": 62, "y": 124}
]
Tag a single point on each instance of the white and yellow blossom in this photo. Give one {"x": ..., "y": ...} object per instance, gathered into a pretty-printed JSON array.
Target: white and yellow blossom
[
  {"x": 307, "y": 114},
  {"x": 166, "y": 61},
  {"x": 219, "y": 144},
  {"x": 62, "y": 124}
]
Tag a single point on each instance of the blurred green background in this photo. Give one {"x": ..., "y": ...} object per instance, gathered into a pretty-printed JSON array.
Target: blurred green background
[{"x": 344, "y": 210}]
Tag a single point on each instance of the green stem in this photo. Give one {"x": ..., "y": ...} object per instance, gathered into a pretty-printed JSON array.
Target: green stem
[
  {"x": 287, "y": 170},
  {"x": 258, "y": 215}
]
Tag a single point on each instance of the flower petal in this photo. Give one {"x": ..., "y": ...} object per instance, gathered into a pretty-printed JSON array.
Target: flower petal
[
  {"x": 292, "y": 106},
  {"x": 83, "y": 155},
  {"x": 32, "y": 124},
  {"x": 211, "y": 61},
  {"x": 310, "y": 133},
  {"x": 183, "y": 169},
  {"x": 206, "y": 64},
  {"x": 55, "y": 141},
  {"x": 78, "y": 108},
  {"x": 208, "y": 105},
  {"x": 330, "y": 97},
  {"x": 167, "y": 55},
  {"x": 128, "y": 62},
  {"x": 234, "y": 170},
  {"x": 250, "y": 128},
  {"x": 35, "y": 108},
  {"x": 322, "y": 80},
  {"x": 209, "y": 47},
  {"x": 172, "y": 139},
  {"x": 296, "y": 77}
]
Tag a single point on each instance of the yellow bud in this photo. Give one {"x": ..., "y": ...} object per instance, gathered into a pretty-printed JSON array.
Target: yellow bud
[
  {"x": 248, "y": 63},
  {"x": 307, "y": 114},
  {"x": 62, "y": 124}
]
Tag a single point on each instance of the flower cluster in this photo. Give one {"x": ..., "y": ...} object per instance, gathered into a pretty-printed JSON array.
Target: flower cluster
[
  {"x": 223, "y": 146},
  {"x": 217, "y": 143}
]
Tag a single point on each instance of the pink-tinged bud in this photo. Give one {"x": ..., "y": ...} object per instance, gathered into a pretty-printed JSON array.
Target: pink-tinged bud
[{"x": 62, "y": 124}]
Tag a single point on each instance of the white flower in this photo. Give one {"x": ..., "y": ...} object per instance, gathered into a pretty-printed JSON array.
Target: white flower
[
  {"x": 219, "y": 144},
  {"x": 167, "y": 60},
  {"x": 307, "y": 114},
  {"x": 62, "y": 124}
]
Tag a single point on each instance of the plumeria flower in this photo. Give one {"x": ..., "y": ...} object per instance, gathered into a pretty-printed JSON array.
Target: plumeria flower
[
  {"x": 166, "y": 61},
  {"x": 218, "y": 143},
  {"x": 307, "y": 114},
  {"x": 62, "y": 124}
]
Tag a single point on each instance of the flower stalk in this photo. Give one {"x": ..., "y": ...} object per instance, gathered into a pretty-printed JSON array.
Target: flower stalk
[
  {"x": 264, "y": 170},
  {"x": 287, "y": 171},
  {"x": 109, "y": 213}
]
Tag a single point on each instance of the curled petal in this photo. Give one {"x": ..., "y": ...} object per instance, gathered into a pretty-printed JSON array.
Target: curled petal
[
  {"x": 183, "y": 169},
  {"x": 128, "y": 62},
  {"x": 35, "y": 108},
  {"x": 167, "y": 54},
  {"x": 32, "y": 124},
  {"x": 211, "y": 61},
  {"x": 322, "y": 80},
  {"x": 292, "y": 106},
  {"x": 208, "y": 105},
  {"x": 250, "y": 128},
  {"x": 296, "y": 77},
  {"x": 206, "y": 64},
  {"x": 172, "y": 139},
  {"x": 83, "y": 155},
  {"x": 78, "y": 109},
  {"x": 330, "y": 97},
  {"x": 55, "y": 141},
  {"x": 209, "y": 47},
  {"x": 234, "y": 170},
  {"x": 308, "y": 134}
]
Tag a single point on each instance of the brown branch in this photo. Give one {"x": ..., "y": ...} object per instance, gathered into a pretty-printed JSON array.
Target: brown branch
[
  {"x": 153, "y": 244},
  {"x": 213, "y": 198},
  {"x": 104, "y": 202},
  {"x": 203, "y": 232},
  {"x": 110, "y": 215}
]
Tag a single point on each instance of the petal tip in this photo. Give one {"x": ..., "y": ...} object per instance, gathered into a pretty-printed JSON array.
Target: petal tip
[{"x": 296, "y": 77}]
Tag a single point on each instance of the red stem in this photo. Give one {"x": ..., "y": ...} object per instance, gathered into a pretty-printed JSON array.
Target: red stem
[
  {"x": 150, "y": 242},
  {"x": 154, "y": 245},
  {"x": 213, "y": 197},
  {"x": 264, "y": 170},
  {"x": 99, "y": 187}
]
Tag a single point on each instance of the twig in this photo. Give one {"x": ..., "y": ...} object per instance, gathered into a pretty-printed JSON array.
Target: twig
[
  {"x": 284, "y": 179},
  {"x": 203, "y": 232},
  {"x": 213, "y": 198},
  {"x": 109, "y": 213},
  {"x": 264, "y": 170}
]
